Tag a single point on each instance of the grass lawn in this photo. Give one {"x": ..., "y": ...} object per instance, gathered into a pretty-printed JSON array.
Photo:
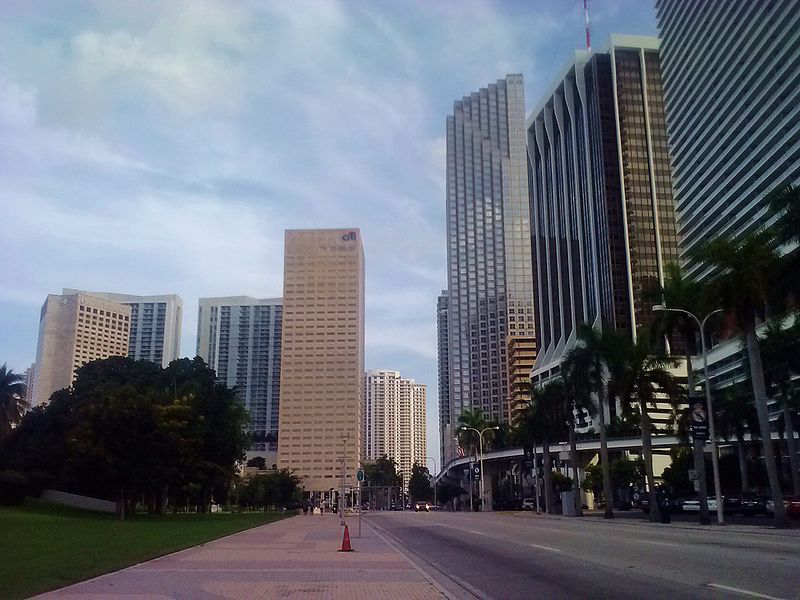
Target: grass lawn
[{"x": 46, "y": 546}]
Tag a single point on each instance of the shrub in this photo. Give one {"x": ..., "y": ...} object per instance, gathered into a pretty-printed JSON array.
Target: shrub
[
  {"x": 561, "y": 482},
  {"x": 13, "y": 487},
  {"x": 38, "y": 481}
]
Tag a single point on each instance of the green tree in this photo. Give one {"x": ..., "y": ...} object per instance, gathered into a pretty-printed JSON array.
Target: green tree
[
  {"x": 780, "y": 348},
  {"x": 13, "y": 401},
  {"x": 468, "y": 438},
  {"x": 745, "y": 271},
  {"x": 644, "y": 377},
  {"x": 784, "y": 204},
  {"x": 419, "y": 486},
  {"x": 735, "y": 414}
]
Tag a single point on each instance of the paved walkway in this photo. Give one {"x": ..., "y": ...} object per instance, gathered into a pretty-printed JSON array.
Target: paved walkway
[{"x": 292, "y": 558}]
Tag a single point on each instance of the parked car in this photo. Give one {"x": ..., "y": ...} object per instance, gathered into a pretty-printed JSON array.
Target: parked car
[
  {"x": 793, "y": 508},
  {"x": 693, "y": 505},
  {"x": 422, "y": 505},
  {"x": 753, "y": 504},
  {"x": 528, "y": 504},
  {"x": 770, "y": 505},
  {"x": 677, "y": 505},
  {"x": 509, "y": 504},
  {"x": 732, "y": 504}
]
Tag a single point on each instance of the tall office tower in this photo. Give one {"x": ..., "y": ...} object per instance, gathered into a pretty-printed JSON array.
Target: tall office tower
[
  {"x": 446, "y": 444},
  {"x": 488, "y": 244},
  {"x": 602, "y": 211},
  {"x": 731, "y": 72},
  {"x": 521, "y": 352},
  {"x": 75, "y": 329},
  {"x": 155, "y": 325},
  {"x": 30, "y": 377},
  {"x": 322, "y": 362},
  {"x": 240, "y": 338},
  {"x": 394, "y": 420}
]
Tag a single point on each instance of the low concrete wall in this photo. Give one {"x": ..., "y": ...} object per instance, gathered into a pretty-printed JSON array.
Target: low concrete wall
[{"x": 79, "y": 501}]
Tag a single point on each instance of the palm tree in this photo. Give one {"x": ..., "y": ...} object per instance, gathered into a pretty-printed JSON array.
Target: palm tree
[
  {"x": 598, "y": 354},
  {"x": 779, "y": 350},
  {"x": 735, "y": 413},
  {"x": 467, "y": 438},
  {"x": 578, "y": 386},
  {"x": 548, "y": 420},
  {"x": 646, "y": 375},
  {"x": 745, "y": 272},
  {"x": 12, "y": 399}
]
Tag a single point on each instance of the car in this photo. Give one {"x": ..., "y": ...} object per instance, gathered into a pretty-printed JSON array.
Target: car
[
  {"x": 693, "y": 505},
  {"x": 422, "y": 505},
  {"x": 753, "y": 504},
  {"x": 793, "y": 507},
  {"x": 770, "y": 506},
  {"x": 731, "y": 504},
  {"x": 528, "y": 504}
]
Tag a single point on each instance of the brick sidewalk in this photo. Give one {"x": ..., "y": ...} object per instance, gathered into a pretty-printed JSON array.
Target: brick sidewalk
[{"x": 292, "y": 558}]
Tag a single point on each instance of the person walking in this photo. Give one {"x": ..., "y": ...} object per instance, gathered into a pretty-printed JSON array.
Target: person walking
[{"x": 305, "y": 508}]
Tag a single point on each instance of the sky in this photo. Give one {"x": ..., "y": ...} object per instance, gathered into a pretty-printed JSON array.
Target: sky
[{"x": 151, "y": 147}]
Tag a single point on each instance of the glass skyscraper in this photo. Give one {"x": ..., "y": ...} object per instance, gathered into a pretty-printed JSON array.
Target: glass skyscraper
[
  {"x": 240, "y": 338},
  {"x": 602, "y": 213},
  {"x": 731, "y": 74},
  {"x": 490, "y": 291}
]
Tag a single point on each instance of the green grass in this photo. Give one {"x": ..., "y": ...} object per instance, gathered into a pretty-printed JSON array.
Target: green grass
[{"x": 46, "y": 546}]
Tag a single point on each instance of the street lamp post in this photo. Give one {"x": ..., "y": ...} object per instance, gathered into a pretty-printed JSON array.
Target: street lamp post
[
  {"x": 480, "y": 443},
  {"x": 711, "y": 431},
  {"x": 435, "y": 471}
]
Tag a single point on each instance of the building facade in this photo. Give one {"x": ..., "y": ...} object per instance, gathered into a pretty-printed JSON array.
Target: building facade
[
  {"x": 75, "y": 329},
  {"x": 156, "y": 322},
  {"x": 521, "y": 352},
  {"x": 731, "y": 72},
  {"x": 322, "y": 356},
  {"x": 490, "y": 291},
  {"x": 240, "y": 338},
  {"x": 394, "y": 420},
  {"x": 602, "y": 212},
  {"x": 447, "y": 446}
]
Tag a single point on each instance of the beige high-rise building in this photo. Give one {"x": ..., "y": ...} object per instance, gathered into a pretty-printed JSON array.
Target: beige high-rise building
[
  {"x": 394, "y": 420},
  {"x": 75, "y": 329},
  {"x": 322, "y": 356}
]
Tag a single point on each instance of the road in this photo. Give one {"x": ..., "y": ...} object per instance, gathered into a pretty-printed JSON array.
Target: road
[{"x": 522, "y": 555}]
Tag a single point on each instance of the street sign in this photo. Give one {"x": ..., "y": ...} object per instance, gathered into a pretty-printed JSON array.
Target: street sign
[
  {"x": 476, "y": 472},
  {"x": 466, "y": 475},
  {"x": 360, "y": 475},
  {"x": 692, "y": 475},
  {"x": 527, "y": 457},
  {"x": 699, "y": 418}
]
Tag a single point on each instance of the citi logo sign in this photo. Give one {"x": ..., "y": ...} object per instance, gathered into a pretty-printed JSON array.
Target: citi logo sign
[{"x": 349, "y": 237}]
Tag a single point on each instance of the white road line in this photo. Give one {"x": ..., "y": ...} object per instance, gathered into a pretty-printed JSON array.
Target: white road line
[
  {"x": 659, "y": 543},
  {"x": 544, "y": 548},
  {"x": 727, "y": 588},
  {"x": 513, "y": 541}
]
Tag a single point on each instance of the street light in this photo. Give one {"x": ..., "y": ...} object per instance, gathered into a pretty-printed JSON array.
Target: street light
[
  {"x": 480, "y": 442},
  {"x": 435, "y": 471},
  {"x": 711, "y": 431}
]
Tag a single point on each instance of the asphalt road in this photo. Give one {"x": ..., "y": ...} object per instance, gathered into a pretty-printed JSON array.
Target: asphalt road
[{"x": 521, "y": 555}]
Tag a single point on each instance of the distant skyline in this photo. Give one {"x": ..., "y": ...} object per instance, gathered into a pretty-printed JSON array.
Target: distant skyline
[{"x": 159, "y": 148}]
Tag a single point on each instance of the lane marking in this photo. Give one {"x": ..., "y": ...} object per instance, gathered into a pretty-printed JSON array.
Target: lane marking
[
  {"x": 727, "y": 588},
  {"x": 544, "y": 548},
  {"x": 659, "y": 543}
]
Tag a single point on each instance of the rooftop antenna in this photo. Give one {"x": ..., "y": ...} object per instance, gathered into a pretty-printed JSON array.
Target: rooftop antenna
[{"x": 586, "y": 19}]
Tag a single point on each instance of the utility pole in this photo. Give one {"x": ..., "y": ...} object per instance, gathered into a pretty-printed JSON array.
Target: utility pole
[{"x": 345, "y": 437}]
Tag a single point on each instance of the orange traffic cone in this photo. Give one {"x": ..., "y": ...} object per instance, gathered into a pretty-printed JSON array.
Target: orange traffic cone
[{"x": 346, "y": 541}]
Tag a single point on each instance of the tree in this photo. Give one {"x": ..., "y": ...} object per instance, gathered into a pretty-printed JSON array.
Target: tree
[
  {"x": 784, "y": 203},
  {"x": 644, "y": 376},
  {"x": 467, "y": 438},
  {"x": 734, "y": 414},
  {"x": 13, "y": 401},
  {"x": 599, "y": 354},
  {"x": 779, "y": 350},
  {"x": 419, "y": 486},
  {"x": 745, "y": 270}
]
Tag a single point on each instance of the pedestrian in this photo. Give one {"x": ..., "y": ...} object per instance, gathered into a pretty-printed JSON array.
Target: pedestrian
[
  {"x": 305, "y": 508},
  {"x": 321, "y": 509}
]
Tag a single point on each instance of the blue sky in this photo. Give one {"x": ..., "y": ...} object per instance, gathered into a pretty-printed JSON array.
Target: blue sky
[{"x": 152, "y": 147}]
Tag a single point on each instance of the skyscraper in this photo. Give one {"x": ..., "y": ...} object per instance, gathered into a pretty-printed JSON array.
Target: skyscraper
[
  {"x": 156, "y": 321},
  {"x": 240, "y": 338},
  {"x": 394, "y": 420},
  {"x": 75, "y": 329},
  {"x": 322, "y": 355},
  {"x": 490, "y": 291},
  {"x": 446, "y": 446},
  {"x": 602, "y": 211},
  {"x": 733, "y": 106}
]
